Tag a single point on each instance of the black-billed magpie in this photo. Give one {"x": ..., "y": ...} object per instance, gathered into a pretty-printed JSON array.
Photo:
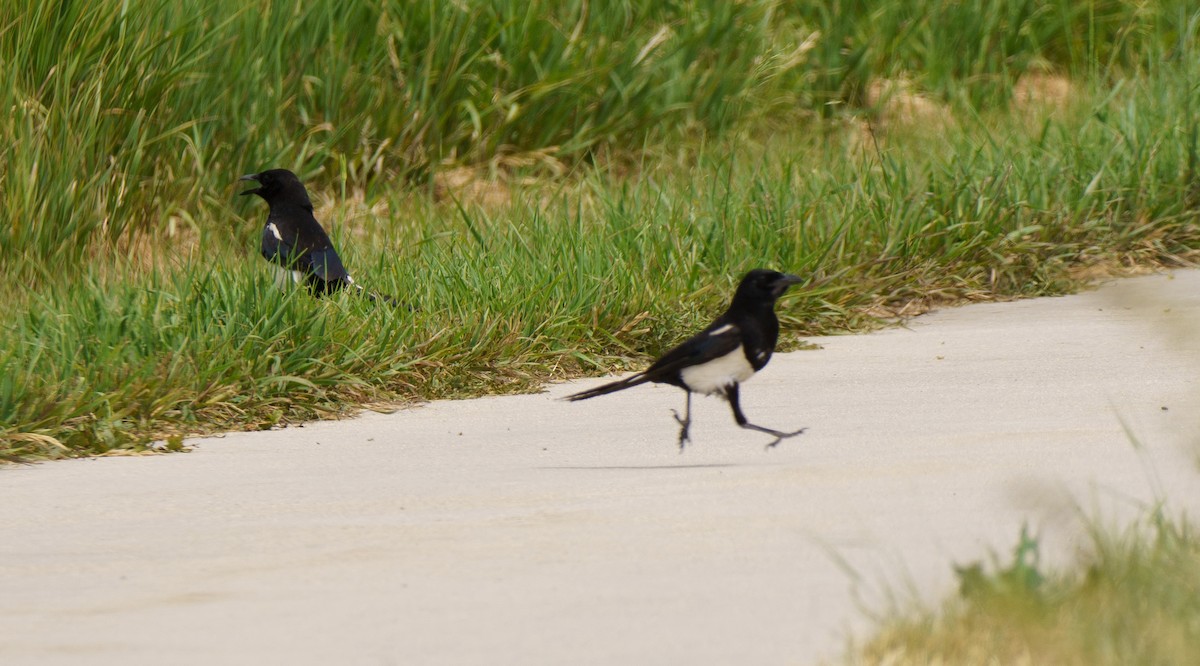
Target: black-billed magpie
[
  {"x": 294, "y": 242},
  {"x": 719, "y": 358}
]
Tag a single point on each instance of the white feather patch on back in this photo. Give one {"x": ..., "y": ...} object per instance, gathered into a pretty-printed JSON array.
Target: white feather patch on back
[{"x": 715, "y": 375}]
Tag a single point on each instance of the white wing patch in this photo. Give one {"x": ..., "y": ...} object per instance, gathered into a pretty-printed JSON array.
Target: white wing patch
[
  {"x": 274, "y": 231},
  {"x": 724, "y": 329},
  {"x": 284, "y": 277},
  {"x": 714, "y": 376}
]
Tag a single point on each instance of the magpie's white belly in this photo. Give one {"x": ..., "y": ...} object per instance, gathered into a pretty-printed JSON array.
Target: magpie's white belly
[
  {"x": 706, "y": 378},
  {"x": 284, "y": 277}
]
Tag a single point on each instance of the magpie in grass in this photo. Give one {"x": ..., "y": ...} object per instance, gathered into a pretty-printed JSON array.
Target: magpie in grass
[
  {"x": 719, "y": 358},
  {"x": 294, "y": 242}
]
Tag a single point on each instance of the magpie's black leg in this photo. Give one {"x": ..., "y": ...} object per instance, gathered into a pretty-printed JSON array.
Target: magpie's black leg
[
  {"x": 731, "y": 394},
  {"x": 684, "y": 423}
]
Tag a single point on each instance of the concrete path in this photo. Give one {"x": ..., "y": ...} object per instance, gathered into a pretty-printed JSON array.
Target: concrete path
[{"x": 526, "y": 530}]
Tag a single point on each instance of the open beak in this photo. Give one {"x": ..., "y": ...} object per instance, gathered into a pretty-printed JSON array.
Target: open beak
[
  {"x": 251, "y": 177},
  {"x": 788, "y": 279}
]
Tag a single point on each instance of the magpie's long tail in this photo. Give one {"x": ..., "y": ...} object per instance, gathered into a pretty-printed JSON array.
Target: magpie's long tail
[
  {"x": 376, "y": 297},
  {"x": 612, "y": 387}
]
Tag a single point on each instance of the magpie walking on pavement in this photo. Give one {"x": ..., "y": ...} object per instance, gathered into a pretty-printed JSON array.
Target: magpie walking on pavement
[
  {"x": 719, "y": 358},
  {"x": 294, "y": 242}
]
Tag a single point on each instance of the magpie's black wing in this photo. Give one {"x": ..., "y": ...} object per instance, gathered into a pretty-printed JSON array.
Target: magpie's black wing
[
  {"x": 720, "y": 338},
  {"x": 325, "y": 265},
  {"x": 304, "y": 247},
  {"x": 321, "y": 262},
  {"x": 279, "y": 245}
]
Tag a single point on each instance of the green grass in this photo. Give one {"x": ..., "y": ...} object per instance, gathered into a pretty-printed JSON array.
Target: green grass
[
  {"x": 1133, "y": 599},
  {"x": 133, "y": 119},
  {"x": 646, "y": 157}
]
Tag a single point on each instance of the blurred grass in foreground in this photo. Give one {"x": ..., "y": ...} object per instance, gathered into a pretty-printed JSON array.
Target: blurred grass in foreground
[{"x": 1134, "y": 599}]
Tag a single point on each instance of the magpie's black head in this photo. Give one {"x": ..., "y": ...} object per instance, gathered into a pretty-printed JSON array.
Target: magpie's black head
[
  {"x": 764, "y": 286},
  {"x": 278, "y": 185}
]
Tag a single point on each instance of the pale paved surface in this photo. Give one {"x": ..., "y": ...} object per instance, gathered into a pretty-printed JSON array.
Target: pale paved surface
[{"x": 525, "y": 530}]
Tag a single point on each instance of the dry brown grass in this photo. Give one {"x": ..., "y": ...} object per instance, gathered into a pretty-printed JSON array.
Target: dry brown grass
[
  {"x": 898, "y": 102},
  {"x": 1042, "y": 91},
  {"x": 472, "y": 186}
]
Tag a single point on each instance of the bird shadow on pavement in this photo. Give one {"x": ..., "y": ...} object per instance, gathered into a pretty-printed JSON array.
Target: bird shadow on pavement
[{"x": 635, "y": 467}]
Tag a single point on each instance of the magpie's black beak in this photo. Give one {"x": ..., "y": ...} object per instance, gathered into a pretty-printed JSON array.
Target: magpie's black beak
[
  {"x": 787, "y": 280},
  {"x": 251, "y": 177}
]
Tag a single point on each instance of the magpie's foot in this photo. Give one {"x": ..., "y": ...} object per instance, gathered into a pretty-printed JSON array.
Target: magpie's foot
[
  {"x": 779, "y": 435},
  {"x": 684, "y": 425}
]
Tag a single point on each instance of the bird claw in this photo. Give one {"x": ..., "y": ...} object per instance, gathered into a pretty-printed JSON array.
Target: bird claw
[
  {"x": 684, "y": 425},
  {"x": 780, "y": 436}
]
